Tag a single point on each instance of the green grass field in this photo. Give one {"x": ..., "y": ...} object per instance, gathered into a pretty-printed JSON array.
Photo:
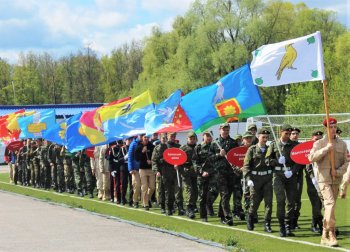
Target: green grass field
[{"x": 237, "y": 236}]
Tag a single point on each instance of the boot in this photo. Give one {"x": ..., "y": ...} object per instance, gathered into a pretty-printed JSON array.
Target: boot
[
  {"x": 324, "y": 238},
  {"x": 227, "y": 221},
  {"x": 267, "y": 227},
  {"x": 190, "y": 212},
  {"x": 288, "y": 228},
  {"x": 250, "y": 222},
  {"x": 332, "y": 239},
  {"x": 181, "y": 210},
  {"x": 282, "y": 228},
  {"x": 295, "y": 225},
  {"x": 314, "y": 227},
  {"x": 210, "y": 210}
]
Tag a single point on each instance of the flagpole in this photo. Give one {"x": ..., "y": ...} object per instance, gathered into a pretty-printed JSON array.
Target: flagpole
[
  {"x": 274, "y": 137},
  {"x": 331, "y": 153}
]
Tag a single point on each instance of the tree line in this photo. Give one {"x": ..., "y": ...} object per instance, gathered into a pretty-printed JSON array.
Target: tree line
[{"x": 211, "y": 39}]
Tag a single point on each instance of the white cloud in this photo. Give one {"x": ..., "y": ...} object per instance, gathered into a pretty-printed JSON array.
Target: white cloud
[{"x": 169, "y": 5}]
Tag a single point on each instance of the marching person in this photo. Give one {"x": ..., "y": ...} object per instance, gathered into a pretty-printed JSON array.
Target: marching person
[
  {"x": 134, "y": 166},
  {"x": 143, "y": 154},
  {"x": 259, "y": 180},
  {"x": 103, "y": 165},
  {"x": 227, "y": 178},
  {"x": 204, "y": 157},
  {"x": 284, "y": 178},
  {"x": 189, "y": 176},
  {"x": 327, "y": 178}
]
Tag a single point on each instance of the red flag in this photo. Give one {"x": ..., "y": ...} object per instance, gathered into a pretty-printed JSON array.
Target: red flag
[
  {"x": 6, "y": 134},
  {"x": 180, "y": 122},
  {"x": 91, "y": 124}
]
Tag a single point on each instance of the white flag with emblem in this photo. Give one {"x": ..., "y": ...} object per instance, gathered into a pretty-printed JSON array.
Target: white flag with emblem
[{"x": 290, "y": 61}]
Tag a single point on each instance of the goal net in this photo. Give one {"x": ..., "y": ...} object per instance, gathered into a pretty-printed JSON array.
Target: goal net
[{"x": 307, "y": 123}]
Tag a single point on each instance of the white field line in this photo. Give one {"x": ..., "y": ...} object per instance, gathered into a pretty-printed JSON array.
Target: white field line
[{"x": 186, "y": 219}]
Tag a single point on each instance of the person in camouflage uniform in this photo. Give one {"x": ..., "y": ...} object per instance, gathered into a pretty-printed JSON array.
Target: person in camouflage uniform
[
  {"x": 33, "y": 160},
  {"x": 59, "y": 161},
  {"x": 259, "y": 180},
  {"x": 204, "y": 157},
  {"x": 253, "y": 129},
  {"x": 284, "y": 178},
  {"x": 189, "y": 176},
  {"x": 45, "y": 165},
  {"x": 68, "y": 170},
  {"x": 53, "y": 165},
  {"x": 167, "y": 171},
  {"x": 159, "y": 180},
  {"x": 228, "y": 178},
  {"x": 82, "y": 173},
  {"x": 23, "y": 177}
]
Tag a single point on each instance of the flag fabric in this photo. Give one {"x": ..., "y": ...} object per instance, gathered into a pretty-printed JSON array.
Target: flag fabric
[
  {"x": 33, "y": 126},
  {"x": 5, "y": 134},
  {"x": 163, "y": 113},
  {"x": 57, "y": 133},
  {"x": 126, "y": 118},
  {"x": 91, "y": 125},
  {"x": 290, "y": 61},
  {"x": 180, "y": 122},
  {"x": 233, "y": 97},
  {"x": 75, "y": 138}
]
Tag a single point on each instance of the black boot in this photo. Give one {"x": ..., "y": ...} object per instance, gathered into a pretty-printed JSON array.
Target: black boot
[
  {"x": 282, "y": 228},
  {"x": 190, "y": 212},
  {"x": 267, "y": 227},
  {"x": 295, "y": 225},
  {"x": 227, "y": 221},
  {"x": 250, "y": 222},
  {"x": 210, "y": 210},
  {"x": 181, "y": 210},
  {"x": 288, "y": 228},
  {"x": 314, "y": 227}
]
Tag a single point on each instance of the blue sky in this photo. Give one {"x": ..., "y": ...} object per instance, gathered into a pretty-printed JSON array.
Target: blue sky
[{"x": 60, "y": 27}]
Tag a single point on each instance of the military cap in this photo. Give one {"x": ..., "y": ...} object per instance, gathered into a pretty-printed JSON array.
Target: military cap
[
  {"x": 286, "y": 127},
  {"x": 252, "y": 126},
  {"x": 317, "y": 133},
  {"x": 191, "y": 134},
  {"x": 238, "y": 136},
  {"x": 339, "y": 131},
  {"x": 247, "y": 134},
  {"x": 171, "y": 133},
  {"x": 206, "y": 133},
  {"x": 263, "y": 131},
  {"x": 223, "y": 125},
  {"x": 296, "y": 129},
  {"x": 331, "y": 121}
]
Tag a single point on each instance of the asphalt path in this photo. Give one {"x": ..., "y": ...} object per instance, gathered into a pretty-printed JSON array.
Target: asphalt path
[{"x": 27, "y": 224}]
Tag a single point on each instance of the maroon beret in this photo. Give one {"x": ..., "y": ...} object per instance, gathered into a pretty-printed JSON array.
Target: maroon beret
[{"x": 331, "y": 121}]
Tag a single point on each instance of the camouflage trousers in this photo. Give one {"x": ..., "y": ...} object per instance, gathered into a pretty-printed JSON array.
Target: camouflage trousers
[
  {"x": 262, "y": 190},
  {"x": 191, "y": 189},
  {"x": 285, "y": 194},
  {"x": 206, "y": 186}
]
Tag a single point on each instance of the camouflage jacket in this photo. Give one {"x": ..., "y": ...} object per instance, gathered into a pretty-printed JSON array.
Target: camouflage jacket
[
  {"x": 158, "y": 162},
  {"x": 204, "y": 158},
  {"x": 272, "y": 155},
  {"x": 224, "y": 167},
  {"x": 254, "y": 160},
  {"x": 187, "y": 167}
]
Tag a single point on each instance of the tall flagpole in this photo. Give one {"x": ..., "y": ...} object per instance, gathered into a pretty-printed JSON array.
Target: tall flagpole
[{"x": 331, "y": 153}]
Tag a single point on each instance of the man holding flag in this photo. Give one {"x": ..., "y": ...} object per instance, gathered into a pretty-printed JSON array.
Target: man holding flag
[{"x": 329, "y": 179}]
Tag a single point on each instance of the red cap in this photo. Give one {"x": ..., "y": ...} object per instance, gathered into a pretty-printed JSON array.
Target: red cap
[{"x": 331, "y": 121}]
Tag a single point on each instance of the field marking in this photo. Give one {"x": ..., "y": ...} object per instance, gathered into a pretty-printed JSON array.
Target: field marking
[{"x": 176, "y": 217}]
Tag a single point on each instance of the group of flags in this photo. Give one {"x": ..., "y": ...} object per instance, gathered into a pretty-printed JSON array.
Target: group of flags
[{"x": 234, "y": 97}]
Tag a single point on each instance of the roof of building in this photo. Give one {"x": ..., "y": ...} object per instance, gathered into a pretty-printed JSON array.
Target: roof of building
[{"x": 62, "y": 110}]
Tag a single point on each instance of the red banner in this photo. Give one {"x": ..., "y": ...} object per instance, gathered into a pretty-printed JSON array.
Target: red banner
[
  {"x": 236, "y": 156},
  {"x": 175, "y": 156},
  {"x": 300, "y": 153}
]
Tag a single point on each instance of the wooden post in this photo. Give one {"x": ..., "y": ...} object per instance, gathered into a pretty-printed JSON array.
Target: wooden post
[{"x": 331, "y": 153}]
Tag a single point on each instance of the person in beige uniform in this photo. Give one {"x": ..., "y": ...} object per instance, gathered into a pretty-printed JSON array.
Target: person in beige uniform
[
  {"x": 96, "y": 171},
  {"x": 103, "y": 165},
  {"x": 328, "y": 180}
]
